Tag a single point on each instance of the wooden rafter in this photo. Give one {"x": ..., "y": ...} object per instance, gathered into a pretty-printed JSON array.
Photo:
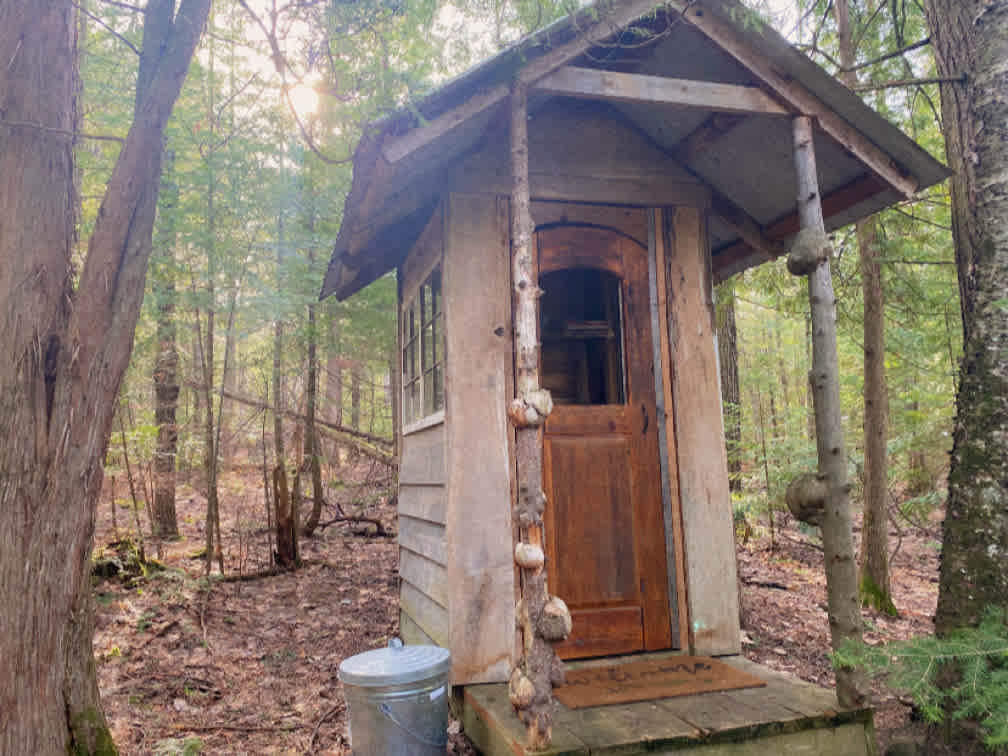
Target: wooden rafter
[
  {"x": 798, "y": 97},
  {"x": 696, "y": 143},
  {"x": 595, "y": 84},
  {"x": 400, "y": 148},
  {"x": 837, "y": 201}
]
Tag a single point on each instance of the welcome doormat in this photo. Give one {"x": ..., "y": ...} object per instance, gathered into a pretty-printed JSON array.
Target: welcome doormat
[{"x": 650, "y": 678}]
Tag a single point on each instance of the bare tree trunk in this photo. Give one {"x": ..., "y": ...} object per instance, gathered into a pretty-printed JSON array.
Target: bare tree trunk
[
  {"x": 532, "y": 679},
  {"x": 355, "y": 378},
  {"x": 166, "y": 382},
  {"x": 66, "y": 351},
  {"x": 727, "y": 335},
  {"x": 312, "y": 451},
  {"x": 875, "y": 589},
  {"x": 395, "y": 389},
  {"x": 838, "y": 548}
]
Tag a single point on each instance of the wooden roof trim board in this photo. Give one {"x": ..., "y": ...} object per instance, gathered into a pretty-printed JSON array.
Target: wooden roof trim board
[
  {"x": 725, "y": 36},
  {"x": 621, "y": 15},
  {"x": 595, "y": 84}
]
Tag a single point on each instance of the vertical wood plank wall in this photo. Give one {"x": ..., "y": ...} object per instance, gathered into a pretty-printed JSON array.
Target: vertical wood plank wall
[
  {"x": 699, "y": 431},
  {"x": 479, "y": 382},
  {"x": 423, "y": 602}
]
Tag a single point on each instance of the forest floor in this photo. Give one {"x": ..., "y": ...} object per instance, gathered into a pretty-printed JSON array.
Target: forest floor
[{"x": 248, "y": 665}]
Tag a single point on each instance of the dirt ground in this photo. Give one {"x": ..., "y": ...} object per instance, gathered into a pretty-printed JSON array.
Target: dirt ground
[{"x": 249, "y": 666}]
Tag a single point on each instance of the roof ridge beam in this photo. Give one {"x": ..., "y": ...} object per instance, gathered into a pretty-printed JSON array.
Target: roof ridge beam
[
  {"x": 608, "y": 23},
  {"x": 595, "y": 84},
  {"x": 725, "y": 36}
]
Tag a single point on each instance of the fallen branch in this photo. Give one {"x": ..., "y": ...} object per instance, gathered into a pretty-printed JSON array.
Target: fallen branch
[
  {"x": 363, "y": 442},
  {"x": 380, "y": 530},
  {"x": 334, "y": 710},
  {"x": 250, "y": 576}
]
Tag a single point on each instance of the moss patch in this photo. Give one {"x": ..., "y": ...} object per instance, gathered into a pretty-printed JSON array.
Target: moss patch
[
  {"x": 872, "y": 595},
  {"x": 90, "y": 735}
]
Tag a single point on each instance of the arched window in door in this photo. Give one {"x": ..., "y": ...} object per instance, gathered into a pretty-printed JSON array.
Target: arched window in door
[{"x": 581, "y": 330}]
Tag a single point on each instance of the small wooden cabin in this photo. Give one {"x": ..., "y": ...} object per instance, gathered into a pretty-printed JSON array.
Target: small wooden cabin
[{"x": 661, "y": 162}]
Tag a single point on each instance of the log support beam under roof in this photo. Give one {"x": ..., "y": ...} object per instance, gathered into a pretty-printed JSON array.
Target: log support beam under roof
[
  {"x": 742, "y": 254},
  {"x": 595, "y": 84}
]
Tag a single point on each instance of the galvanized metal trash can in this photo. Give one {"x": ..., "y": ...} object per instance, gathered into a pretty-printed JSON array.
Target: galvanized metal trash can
[{"x": 398, "y": 700}]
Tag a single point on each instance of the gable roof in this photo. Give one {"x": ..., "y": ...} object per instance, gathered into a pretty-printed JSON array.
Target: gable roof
[{"x": 865, "y": 163}]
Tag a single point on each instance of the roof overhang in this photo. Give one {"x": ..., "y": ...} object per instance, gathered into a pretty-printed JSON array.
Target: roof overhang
[{"x": 706, "y": 81}]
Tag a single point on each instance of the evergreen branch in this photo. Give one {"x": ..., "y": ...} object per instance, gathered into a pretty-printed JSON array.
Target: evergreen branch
[{"x": 979, "y": 657}]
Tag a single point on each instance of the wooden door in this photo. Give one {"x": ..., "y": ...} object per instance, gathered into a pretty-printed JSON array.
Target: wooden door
[{"x": 604, "y": 521}]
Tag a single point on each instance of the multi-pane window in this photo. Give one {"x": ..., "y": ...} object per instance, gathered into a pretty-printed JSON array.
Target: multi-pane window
[{"x": 423, "y": 352}]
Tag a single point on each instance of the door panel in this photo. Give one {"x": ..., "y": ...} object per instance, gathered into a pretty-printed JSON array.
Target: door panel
[
  {"x": 594, "y": 538},
  {"x": 605, "y": 527}
]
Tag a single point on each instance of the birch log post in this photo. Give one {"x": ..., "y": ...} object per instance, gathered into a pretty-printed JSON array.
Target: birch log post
[
  {"x": 811, "y": 257},
  {"x": 533, "y": 676}
]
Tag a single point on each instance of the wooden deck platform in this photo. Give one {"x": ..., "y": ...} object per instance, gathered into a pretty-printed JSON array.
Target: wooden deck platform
[{"x": 788, "y": 717}]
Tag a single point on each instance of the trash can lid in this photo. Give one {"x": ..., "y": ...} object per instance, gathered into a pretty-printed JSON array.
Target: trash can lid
[{"x": 395, "y": 665}]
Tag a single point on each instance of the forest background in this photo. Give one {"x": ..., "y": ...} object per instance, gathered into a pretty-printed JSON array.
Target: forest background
[
  {"x": 231, "y": 339},
  {"x": 256, "y": 169}
]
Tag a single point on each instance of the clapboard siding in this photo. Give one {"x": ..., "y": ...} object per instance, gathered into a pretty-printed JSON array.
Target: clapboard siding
[
  {"x": 424, "y": 574},
  {"x": 424, "y": 538},
  {"x": 423, "y": 457},
  {"x": 411, "y": 632},
  {"x": 423, "y": 502},
  {"x": 425, "y": 612}
]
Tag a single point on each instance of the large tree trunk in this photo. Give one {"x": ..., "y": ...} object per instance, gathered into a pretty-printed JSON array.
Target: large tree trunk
[
  {"x": 875, "y": 588},
  {"x": 166, "y": 382},
  {"x": 65, "y": 352},
  {"x": 838, "y": 548},
  {"x": 971, "y": 39}
]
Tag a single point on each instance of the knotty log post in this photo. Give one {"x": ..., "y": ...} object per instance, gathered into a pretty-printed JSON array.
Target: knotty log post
[
  {"x": 811, "y": 257},
  {"x": 540, "y": 618}
]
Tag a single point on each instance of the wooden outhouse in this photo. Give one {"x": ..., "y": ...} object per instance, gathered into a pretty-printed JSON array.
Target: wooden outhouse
[{"x": 660, "y": 162}]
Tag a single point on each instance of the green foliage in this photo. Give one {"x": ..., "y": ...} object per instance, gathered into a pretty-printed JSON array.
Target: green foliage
[{"x": 963, "y": 676}]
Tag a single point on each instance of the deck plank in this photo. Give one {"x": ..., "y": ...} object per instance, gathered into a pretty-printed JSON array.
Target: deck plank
[
  {"x": 626, "y": 729},
  {"x": 788, "y": 717},
  {"x": 490, "y": 722}
]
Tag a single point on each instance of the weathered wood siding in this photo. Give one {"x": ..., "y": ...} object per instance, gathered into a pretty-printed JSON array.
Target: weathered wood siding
[
  {"x": 422, "y": 486},
  {"x": 585, "y": 153},
  {"x": 702, "y": 463},
  {"x": 478, "y": 384}
]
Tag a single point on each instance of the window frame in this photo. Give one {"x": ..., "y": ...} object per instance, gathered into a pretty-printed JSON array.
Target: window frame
[{"x": 422, "y": 354}]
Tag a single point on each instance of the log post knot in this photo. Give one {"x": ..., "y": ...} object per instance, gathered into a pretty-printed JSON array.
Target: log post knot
[
  {"x": 532, "y": 409},
  {"x": 529, "y": 556},
  {"x": 811, "y": 247},
  {"x": 806, "y": 497}
]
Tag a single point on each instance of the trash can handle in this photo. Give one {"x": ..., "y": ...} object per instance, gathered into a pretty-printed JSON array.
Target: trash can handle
[
  {"x": 387, "y": 711},
  {"x": 395, "y": 643}
]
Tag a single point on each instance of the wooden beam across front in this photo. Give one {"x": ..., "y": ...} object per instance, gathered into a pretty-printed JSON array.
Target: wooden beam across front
[
  {"x": 591, "y": 83},
  {"x": 589, "y": 35}
]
